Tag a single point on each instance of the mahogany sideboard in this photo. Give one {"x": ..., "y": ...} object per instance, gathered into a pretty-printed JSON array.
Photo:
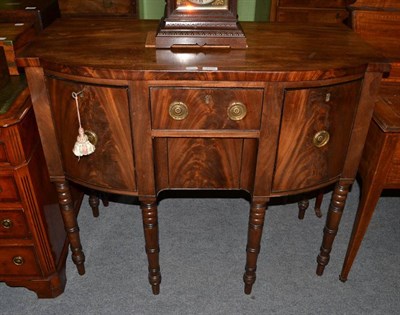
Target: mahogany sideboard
[{"x": 287, "y": 115}]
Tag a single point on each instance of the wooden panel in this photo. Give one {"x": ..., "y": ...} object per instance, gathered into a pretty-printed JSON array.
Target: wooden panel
[
  {"x": 381, "y": 29},
  {"x": 103, "y": 110},
  {"x": 207, "y": 108},
  {"x": 29, "y": 266},
  {"x": 311, "y": 15},
  {"x": 300, "y": 163},
  {"x": 13, "y": 224},
  {"x": 380, "y": 4},
  {"x": 313, "y": 3},
  {"x": 204, "y": 163},
  {"x": 97, "y": 7}
]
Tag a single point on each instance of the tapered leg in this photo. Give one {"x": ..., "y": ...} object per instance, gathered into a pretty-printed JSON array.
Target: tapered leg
[
  {"x": 369, "y": 198},
  {"x": 71, "y": 224},
  {"x": 94, "y": 204},
  {"x": 332, "y": 224},
  {"x": 303, "y": 205},
  {"x": 256, "y": 224},
  {"x": 150, "y": 226},
  {"x": 318, "y": 203}
]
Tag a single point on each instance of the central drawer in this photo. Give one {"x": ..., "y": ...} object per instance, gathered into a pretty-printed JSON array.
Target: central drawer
[{"x": 206, "y": 108}]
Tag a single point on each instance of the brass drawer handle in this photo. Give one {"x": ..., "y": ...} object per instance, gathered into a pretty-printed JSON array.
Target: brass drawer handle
[
  {"x": 178, "y": 110},
  {"x": 237, "y": 111},
  {"x": 18, "y": 260},
  {"x": 92, "y": 137},
  {"x": 321, "y": 138},
  {"x": 6, "y": 223}
]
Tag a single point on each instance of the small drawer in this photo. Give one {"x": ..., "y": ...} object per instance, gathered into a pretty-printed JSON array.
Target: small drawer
[
  {"x": 8, "y": 188},
  {"x": 13, "y": 224},
  {"x": 18, "y": 261},
  {"x": 206, "y": 108}
]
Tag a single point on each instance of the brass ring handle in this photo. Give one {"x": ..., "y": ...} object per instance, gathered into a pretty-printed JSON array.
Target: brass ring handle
[
  {"x": 321, "y": 138},
  {"x": 92, "y": 137},
  {"x": 18, "y": 260},
  {"x": 6, "y": 223},
  {"x": 237, "y": 111},
  {"x": 178, "y": 110}
]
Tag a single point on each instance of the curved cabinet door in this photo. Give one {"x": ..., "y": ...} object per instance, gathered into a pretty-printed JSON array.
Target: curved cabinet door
[
  {"x": 311, "y": 117},
  {"x": 104, "y": 110}
]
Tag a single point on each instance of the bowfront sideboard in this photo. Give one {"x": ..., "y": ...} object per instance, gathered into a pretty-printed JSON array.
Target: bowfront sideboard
[{"x": 285, "y": 116}]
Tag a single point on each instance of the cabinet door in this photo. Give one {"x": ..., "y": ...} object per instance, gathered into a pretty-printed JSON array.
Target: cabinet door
[
  {"x": 103, "y": 110},
  {"x": 310, "y": 118}
]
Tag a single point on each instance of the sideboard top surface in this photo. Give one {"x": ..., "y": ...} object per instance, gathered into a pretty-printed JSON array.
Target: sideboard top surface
[{"x": 91, "y": 46}]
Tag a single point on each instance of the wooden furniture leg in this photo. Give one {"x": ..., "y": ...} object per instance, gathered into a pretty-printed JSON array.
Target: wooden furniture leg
[
  {"x": 150, "y": 226},
  {"x": 303, "y": 205},
  {"x": 366, "y": 208},
  {"x": 335, "y": 211},
  {"x": 71, "y": 224},
  {"x": 256, "y": 224},
  {"x": 94, "y": 202}
]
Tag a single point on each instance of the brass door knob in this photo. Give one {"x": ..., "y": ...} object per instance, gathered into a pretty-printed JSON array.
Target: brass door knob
[
  {"x": 6, "y": 223},
  {"x": 321, "y": 138},
  {"x": 178, "y": 110},
  {"x": 237, "y": 111},
  {"x": 18, "y": 260},
  {"x": 92, "y": 137}
]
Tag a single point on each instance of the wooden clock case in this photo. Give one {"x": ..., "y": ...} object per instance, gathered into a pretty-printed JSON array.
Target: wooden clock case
[{"x": 200, "y": 27}]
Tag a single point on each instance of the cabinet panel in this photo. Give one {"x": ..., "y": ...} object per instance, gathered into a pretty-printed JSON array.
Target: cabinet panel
[
  {"x": 308, "y": 116},
  {"x": 206, "y": 108},
  {"x": 103, "y": 110}
]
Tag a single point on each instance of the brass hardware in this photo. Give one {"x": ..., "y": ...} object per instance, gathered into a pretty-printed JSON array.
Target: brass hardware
[
  {"x": 237, "y": 111},
  {"x": 92, "y": 137},
  {"x": 178, "y": 110},
  {"x": 18, "y": 260},
  {"x": 6, "y": 223},
  {"x": 321, "y": 138}
]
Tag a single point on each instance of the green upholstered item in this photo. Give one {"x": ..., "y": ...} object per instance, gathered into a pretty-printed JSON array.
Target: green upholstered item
[{"x": 10, "y": 92}]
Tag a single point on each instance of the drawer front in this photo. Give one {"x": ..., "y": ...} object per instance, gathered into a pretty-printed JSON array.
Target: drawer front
[
  {"x": 313, "y": 3},
  {"x": 206, "y": 109},
  {"x": 104, "y": 111},
  {"x": 13, "y": 224},
  {"x": 18, "y": 261},
  {"x": 8, "y": 188},
  {"x": 204, "y": 163},
  {"x": 315, "y": 132}
]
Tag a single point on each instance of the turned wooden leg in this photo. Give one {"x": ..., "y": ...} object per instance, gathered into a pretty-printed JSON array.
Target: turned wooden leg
[
  {"x": 256, "y": 223},
  {"x": 369, "y": 198},
  {"x": 71, "y": 225},
  {"x": 94, "y": 204},
  {"x": 332, "y": 224},
  {"x": 150, "y": 226},
  {"x": 303, "y": 205}
]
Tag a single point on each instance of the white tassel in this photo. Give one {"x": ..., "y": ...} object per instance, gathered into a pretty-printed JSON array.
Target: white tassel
[{"x": 82, "y": 145}]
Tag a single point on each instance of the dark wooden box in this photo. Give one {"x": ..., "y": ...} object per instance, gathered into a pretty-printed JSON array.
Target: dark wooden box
[
  {"x": 39, "y": 12},
  {"x": 98, "y": 8}
]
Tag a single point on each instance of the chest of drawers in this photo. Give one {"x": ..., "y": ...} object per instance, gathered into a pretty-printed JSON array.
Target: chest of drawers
[
  {"x": 33, "y": 244},
  {"x": 285, "y": 116}
]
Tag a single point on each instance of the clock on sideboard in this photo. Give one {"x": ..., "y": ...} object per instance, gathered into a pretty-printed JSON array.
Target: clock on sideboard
[{"x": 200, "y": 23}]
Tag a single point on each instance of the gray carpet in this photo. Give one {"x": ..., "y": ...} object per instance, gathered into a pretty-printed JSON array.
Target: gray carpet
[{"x": 202, "y": 261}]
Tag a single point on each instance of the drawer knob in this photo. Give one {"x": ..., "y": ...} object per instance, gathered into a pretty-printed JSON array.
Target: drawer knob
[
  {"x": 321, "y": 138},
  {"x": 6, "y": 223},
  {"x": 178, "y": 110},
  {"x": 18, "y": 260},
  {"x": 237, "y": 111}
]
